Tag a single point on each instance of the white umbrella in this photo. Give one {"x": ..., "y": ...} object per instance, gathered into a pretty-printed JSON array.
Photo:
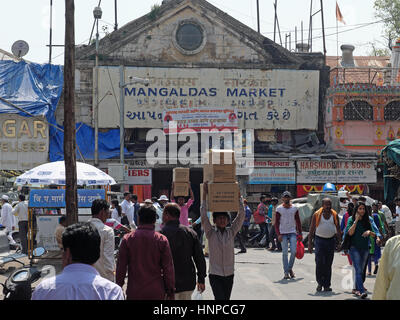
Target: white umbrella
[{"x": 54, "y": 173}]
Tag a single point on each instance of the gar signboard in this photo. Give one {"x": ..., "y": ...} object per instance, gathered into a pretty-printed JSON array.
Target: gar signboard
[
  {"x": 24, "y": 142},
  {"x": 256, "y": 99},
  {"x": 335, "y": 171}
]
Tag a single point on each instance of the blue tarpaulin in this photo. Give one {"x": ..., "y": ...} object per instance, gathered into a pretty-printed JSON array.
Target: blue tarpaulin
[
  {"x": 109, "y": 146},
  {"x": 35, "y": 88}
]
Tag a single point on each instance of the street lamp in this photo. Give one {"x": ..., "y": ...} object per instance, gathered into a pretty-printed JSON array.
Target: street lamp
[
  {"x": 97, "y": 13},
  {"x": 122, "y": 85}
]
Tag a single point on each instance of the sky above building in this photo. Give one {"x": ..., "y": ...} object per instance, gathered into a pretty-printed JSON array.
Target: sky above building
[{"x": 29, "y": 20}]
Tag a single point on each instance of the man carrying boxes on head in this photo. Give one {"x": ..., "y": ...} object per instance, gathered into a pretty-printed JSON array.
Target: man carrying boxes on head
[
  {"x": 220, "y": 196},
  {"x": 180, "y": 189}
]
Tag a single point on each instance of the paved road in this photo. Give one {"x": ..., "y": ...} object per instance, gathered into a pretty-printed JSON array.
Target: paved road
[{"x": 259, "y": 276}]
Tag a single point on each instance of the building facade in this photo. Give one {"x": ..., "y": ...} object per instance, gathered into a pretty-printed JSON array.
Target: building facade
[
  {"x": 206, "y": 71},
  {"x": 362, "y": 112}
]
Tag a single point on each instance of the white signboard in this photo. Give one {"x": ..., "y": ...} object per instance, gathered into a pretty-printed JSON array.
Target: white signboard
[
  {"x": 24, "y": 142},
  {"x": 332, "y": 171},
  {"x": 47, "y": 225},
  {"x": 139, "y": 176},
  {"x": 271, "y": 99},
  {"x": 273, "y": 176}
]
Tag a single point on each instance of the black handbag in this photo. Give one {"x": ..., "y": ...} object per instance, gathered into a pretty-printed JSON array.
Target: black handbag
[{"x": 346, "y": 242}]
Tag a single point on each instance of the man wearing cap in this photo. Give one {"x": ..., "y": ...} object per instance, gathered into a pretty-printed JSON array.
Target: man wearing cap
[
  {"x": 287, "y": 224},
  {"x": 7, "y": 219},
  {"x": 162, "y": 201},
  {"x": 148, "y": 203}
]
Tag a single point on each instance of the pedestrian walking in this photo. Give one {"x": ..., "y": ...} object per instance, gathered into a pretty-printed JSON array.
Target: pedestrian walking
[
  {"x": 159, "y": 205},
  {"x": 221, "y": 241},
  {"x": 387, "y": 283},
  {"x": 184, "y": 217},
  {"x": 126, "y": 205},
  {"x": 288, "y": 229},
  {"x": 136, "y": 208},
  {"x": 187, "y": 253},
  {"x": 360, "y": 228},
  {"x": 7, "y": 218},
  {"x": 62, "y": 223},
  {"x": 242, "y": 235},
  {"x": 21, "y": 211},
  {"x": 275, "y": 244},
  {"x": 116, "y": 210},
  {"x": 375, "y": 248},
  {"x": 147, "y": 257},
  {"x": 324, "y": 231},
  {"x": 260, "y": 218},
  {"x": 106, "y": 263},
  {"x": 79, "y": 279}
]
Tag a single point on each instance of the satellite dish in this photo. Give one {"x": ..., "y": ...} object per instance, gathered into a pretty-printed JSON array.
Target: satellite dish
[{"x": 20, "y": 48}]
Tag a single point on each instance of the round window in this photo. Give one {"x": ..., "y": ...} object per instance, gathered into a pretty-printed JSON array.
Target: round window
[{"x": 189, "y": 36}]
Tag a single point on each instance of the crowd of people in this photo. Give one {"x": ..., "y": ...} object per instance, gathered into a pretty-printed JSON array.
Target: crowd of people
[{"x": 162, "y": 257}]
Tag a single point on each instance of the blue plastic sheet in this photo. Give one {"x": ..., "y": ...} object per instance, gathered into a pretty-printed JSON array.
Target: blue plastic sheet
[
  {"x": 35, "y": 88},
  {"x": 109, "y": 146}
]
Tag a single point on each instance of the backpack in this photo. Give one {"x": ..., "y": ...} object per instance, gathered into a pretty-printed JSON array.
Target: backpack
[{"x": 318, "y": 215}]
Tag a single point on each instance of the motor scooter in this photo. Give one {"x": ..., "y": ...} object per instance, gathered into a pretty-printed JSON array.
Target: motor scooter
[{"x": 18, "y": 285}]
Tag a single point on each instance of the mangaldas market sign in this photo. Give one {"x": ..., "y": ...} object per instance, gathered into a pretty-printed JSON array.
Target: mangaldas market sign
[
  {"x": 207, "y": 98},
  {"x": 334, "y": 171},
  {"x": 24, "y": 142}
]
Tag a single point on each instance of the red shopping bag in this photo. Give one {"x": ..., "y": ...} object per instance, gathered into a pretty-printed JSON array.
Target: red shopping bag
[{"x": 299, "y": 250}]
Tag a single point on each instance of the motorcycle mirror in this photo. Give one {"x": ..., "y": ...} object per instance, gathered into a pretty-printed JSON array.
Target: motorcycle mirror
[{"x": 38, "y": 252}]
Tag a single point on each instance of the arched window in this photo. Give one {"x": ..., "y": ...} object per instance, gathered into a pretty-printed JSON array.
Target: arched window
[
  {"x": 358, "y": 110},
  {"x": 392, "y": 111}
]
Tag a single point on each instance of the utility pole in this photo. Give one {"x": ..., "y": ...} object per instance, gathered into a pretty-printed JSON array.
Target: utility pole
[
  {"x": 97, "y": 13},
  {"x": 71, "y": 198},
  {"x": 116, "y": 16},
  {"x": 258, "y": 17},
  {"x": 51, "y": 31}
]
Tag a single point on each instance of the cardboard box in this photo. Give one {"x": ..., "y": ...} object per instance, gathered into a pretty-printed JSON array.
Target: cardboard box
[
  {"x": 181, "y": 189},
  {"x": 216, "y": 156},
  {"x": 180, "y": 174},
  {"x": 223, "y": 197},
  {"x": 219, "y": 172}
]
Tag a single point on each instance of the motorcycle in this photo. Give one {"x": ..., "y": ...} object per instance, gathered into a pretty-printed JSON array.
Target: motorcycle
[{"x": 18, "y": 285}]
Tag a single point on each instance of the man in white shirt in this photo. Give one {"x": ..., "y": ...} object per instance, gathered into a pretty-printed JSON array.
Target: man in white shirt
[
  {"x": 21, "y": 210},
  {"x": 159, "y": 209},
  {"x": 128, "y": 211},
  {"x": 106, "y": 263},
  {"x": 79, "y": 279},
  {"x": 7, "y": 218},
  {"x": 385, "y": 209}
]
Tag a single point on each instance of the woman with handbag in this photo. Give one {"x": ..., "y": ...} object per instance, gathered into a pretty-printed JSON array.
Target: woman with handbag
[{"x": 359, "y": 228}]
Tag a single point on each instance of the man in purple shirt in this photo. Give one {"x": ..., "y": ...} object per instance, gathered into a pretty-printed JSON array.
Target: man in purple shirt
[
  {"x": 147, "y": 256},
  {"x": 184, "y": 217}
]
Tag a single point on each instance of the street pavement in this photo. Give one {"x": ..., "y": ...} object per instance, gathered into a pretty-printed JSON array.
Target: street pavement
[{"x": 259, "y": 276}]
